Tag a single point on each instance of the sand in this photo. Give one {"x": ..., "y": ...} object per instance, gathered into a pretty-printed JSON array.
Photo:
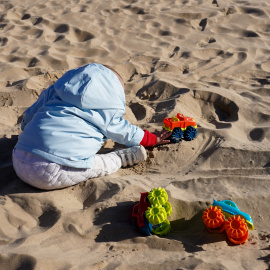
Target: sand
[{"x": 209, "y": 59}]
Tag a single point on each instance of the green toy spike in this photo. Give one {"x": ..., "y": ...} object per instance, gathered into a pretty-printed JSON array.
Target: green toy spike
[
  {"x": 157, "y": 196},
  {"x": 164, "y": 229},
  {"x": 156, "y": 214},
  {"x": 168, "y": 208}
]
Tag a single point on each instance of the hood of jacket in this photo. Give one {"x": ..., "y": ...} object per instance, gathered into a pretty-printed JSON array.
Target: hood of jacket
[{"x": 93, "y": 86}]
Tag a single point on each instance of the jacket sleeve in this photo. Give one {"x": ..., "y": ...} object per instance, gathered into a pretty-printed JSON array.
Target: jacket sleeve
[
  {"x": 31, "y": 111},
  {"x": 149, "y": 139},
  {"x": 121, "y": 131}
]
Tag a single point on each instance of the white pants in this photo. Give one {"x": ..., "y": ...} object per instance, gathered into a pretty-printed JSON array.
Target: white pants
[{"x": 41, "y": 173}]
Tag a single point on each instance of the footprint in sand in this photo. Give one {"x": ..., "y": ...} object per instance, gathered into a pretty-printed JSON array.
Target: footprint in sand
[
  {"x": 217, "y": 108},
  {"x": 49, "y": 217},
  {"x": 138, "y": 110},
  {"x": 175, "y": 51},
  {"x": 203, "y": 23},
  {"x": 26, "y": 16},
  {"x": 252, "y": 11},
  {"x": 37, "y": 20},
  {"x": 204, "y": 42},
  {"x": 74, "y": 34},
  {"x": 257, "y": 134},
  {"x": 3, "y": 41}
]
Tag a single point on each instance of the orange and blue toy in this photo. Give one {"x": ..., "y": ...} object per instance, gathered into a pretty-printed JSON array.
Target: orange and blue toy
[
  {"x": 213, "y": 219},
  {"x": 152, "y": 212},
  {"x": 225, "y": 215},
  {"x": 182, "y": 127}
]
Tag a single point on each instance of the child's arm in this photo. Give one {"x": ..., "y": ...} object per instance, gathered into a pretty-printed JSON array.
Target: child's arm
[
  {"x": 31, "y": 111},
  {"x": 121, "y": 131}
]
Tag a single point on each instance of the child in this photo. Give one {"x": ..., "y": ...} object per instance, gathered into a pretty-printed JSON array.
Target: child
[{"x": 68, "y": 124}]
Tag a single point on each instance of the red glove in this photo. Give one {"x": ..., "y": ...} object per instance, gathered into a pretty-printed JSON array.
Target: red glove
[
  {"x": 156, "y": 138},
  {"x": 149, "y": 139}
]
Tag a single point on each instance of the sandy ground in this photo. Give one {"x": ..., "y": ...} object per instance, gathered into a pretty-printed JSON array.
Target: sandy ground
[{"x": 209, "y": 59}]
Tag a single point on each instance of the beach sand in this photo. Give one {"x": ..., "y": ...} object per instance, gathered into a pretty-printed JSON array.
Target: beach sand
[{"x": 208, "y": 59}]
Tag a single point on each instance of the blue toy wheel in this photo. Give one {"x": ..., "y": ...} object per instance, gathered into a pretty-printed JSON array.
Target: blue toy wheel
[
  {"x": 190, "y": 133},
  {"x": 147, "y": 228},
  {"x": 177, "y": 135}
]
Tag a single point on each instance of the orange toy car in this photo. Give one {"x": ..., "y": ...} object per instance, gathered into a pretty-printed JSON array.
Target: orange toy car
[{"x": 182, "y": 127}]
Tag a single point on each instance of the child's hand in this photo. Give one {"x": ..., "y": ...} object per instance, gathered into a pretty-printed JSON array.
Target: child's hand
[{"x": 162, "y": 136}]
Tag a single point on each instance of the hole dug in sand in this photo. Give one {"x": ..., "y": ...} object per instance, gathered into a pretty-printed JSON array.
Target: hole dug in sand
[
  {"x": 160, "y": 90},
  {"x": 257, "y": 134},
  {"x": 49, "y": 217},
  {"x": 215, "y": 106}
]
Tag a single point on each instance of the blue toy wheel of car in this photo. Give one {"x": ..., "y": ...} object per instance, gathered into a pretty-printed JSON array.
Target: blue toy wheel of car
[
  {"x": 177, "y": 135},
  {"x": 147, "y": 228},
  {"x": 190, "y": 133}
]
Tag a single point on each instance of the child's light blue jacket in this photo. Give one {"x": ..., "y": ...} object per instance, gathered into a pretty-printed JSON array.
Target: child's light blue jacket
[{"x": 71, "y": 120}]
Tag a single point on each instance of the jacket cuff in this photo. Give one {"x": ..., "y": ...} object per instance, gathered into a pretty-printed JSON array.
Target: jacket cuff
[{"x": 149, "y": 139}]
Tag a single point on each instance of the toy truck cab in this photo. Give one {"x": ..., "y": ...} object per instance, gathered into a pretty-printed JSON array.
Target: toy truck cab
[
  {"x": 229, "y": 209},
  {"x": 152, "y": 212},
  {"x": 182, "y": 127}
]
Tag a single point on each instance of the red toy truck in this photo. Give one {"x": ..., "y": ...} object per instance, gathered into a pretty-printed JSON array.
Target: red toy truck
[{"x": 182, "y": 127}]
